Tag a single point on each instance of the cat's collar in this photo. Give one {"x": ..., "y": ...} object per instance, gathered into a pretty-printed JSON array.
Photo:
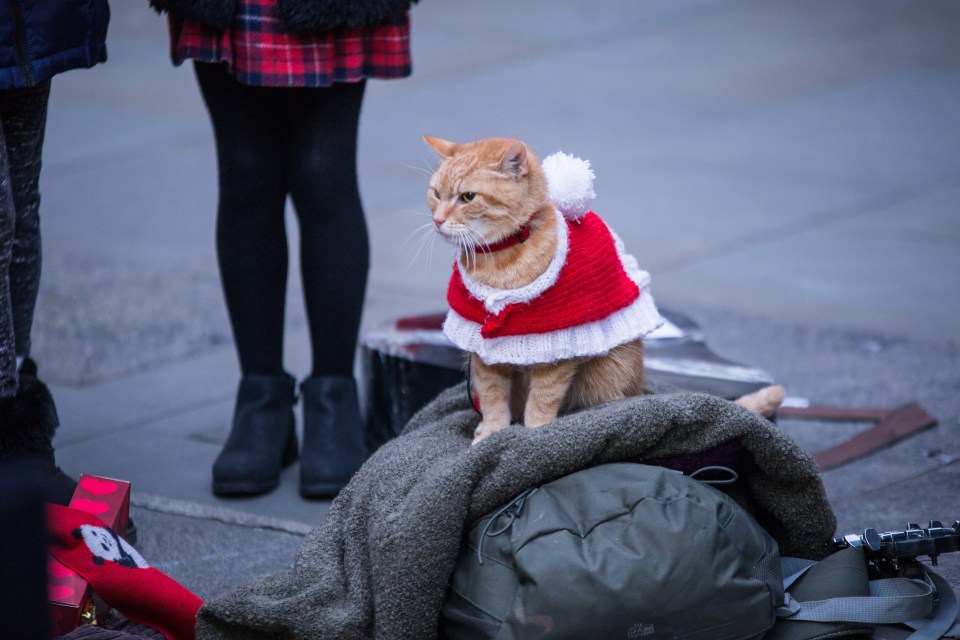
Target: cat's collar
[{"x": 513, "y": 239}]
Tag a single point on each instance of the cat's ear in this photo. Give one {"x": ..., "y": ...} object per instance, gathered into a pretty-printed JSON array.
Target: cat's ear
[
  {"x": 515, "y": 162},
  {"x": 444, "y": 148}
]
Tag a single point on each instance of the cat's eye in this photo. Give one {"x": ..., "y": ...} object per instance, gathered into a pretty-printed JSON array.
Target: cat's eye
[{"x": 467, "y": 196}]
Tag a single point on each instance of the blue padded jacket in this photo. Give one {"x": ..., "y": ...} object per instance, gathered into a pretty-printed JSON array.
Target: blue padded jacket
[{"x": 41, "y": 38}]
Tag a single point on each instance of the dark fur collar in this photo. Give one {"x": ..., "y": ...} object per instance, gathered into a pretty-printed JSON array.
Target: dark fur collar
[{"x": 299, "y": 16}]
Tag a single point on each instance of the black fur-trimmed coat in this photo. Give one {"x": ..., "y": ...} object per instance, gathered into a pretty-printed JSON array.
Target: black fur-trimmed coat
[{"x": 299, "y": 16}]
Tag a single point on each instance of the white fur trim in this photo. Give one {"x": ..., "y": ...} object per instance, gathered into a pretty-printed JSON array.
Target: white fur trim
[
  {"x": 630, "y": 264},
  {"x": 592, "y": 339},
  {"x": 496, "y": 300},
  {"x": 569, "y": 184}
]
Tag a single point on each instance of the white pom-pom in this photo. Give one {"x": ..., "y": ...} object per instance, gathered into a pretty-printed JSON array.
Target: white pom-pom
[{"x": 570, "y": 184}]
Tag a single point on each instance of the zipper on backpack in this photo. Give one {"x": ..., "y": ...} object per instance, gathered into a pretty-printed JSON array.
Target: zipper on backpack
[{"x": 21, "y": 37}]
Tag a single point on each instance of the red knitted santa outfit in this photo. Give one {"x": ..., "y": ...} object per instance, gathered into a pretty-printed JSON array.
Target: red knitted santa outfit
[{"x": 592, "y": 298}]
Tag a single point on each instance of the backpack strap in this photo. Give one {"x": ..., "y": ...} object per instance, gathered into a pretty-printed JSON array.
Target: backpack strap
[
  {"x": 793, "y": 569},
  {"x": 907, "y": 601},
  {"x": 946, "y": 615},
  {"x": 891, "y": 601}
]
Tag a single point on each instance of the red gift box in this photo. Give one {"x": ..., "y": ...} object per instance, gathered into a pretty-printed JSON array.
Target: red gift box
[{"x": 70, "y": 596}]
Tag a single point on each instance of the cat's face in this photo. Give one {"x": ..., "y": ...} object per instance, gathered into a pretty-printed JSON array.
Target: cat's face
[{"x": 483, "y": 191}]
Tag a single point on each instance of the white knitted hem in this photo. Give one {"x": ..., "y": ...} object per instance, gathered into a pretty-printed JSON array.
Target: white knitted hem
[
  {"x": 591, "y": 339},
  {"x": 496, "y": 300}
]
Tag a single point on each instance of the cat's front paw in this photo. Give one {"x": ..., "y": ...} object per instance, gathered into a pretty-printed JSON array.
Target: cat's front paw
[{"x": 485, "y": 429}]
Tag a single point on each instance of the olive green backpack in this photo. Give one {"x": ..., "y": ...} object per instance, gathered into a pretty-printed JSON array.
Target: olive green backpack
[{"x": 630, "y": 551}]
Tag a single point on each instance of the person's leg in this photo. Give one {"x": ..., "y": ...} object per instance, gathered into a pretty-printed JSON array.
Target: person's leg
[
  {"x": 23, "y": 538},
  {"x": 28, "y": 416},
  {"x": 252, "y": 254},
  {"x": 23, "y": 116},
  {"x": 251, "y": 236},
  {"x": 321, "y": 161},
  {"x": 25, "y": 145},
  {"x": 320, "y": 156},
  {"x": 9, "y": 382}
]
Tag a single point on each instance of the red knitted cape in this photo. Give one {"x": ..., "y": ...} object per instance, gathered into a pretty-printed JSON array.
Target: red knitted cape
[{"x": 591, "y": 286}]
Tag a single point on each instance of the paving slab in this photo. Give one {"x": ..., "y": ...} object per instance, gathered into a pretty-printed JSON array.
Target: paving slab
[
  {"x": 196, "y": 551},
  {"x": 835, "y": 273}
]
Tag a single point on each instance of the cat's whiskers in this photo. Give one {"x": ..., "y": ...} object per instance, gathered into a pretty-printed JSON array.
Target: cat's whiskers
[
  {"x": 427, "y": 235},
  {"x": 476, "y": 242},
  {"x": 424, "y": 171},
  {"x": 433, "y": 243},
  {"x": 463, "y": 247},
  {"x": 468, "y": 246},
  {"x": 427, "y": 164},
  {"x": 425, "y": 230}
]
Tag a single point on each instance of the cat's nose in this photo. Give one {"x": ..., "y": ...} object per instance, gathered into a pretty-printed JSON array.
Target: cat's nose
[{"x": 438, "y": 220}]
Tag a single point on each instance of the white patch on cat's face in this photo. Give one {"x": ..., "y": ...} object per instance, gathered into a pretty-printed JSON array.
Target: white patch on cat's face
[
  {"x": 472, "y": 223},
  {"x": 104, "y": 544},
  {"x": 461, "y": 223}
]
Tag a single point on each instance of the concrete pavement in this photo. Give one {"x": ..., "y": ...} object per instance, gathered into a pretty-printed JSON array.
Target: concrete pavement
[{"x": 788, "y": 172}]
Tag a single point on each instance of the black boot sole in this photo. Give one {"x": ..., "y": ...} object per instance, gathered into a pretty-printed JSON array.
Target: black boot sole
[
  {"x": 322, "y": 489},
  {"x": 239, "y": 488}
]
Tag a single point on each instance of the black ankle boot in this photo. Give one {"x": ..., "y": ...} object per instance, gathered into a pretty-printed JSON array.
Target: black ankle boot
[
  {"x": 262, "y": 439},
  {"x": 27, "y": 424},
  {"x": 334, "y": 446}
]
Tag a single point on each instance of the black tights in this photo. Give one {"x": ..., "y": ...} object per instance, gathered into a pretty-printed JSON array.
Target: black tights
[
  {"x": 23, "y": 116},
  {"x": 298, "y": 141}
]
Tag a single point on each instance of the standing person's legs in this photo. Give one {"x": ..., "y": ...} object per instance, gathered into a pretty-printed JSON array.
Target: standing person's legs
[
  {"x": 23, "y": 117},
  {"x": 9, "y": 381},
  {"x": 321, "y": 150},
  {"x": 321, "y": 164},
  {"x": 28, "y": 416},
  {"x": 251, "y": 236},
  {"x": 253, "y": 257},
  {"x": 25, "y": 147}
]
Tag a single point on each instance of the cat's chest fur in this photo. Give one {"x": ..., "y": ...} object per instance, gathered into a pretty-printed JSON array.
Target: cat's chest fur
[{"x": 519, "y": 265}]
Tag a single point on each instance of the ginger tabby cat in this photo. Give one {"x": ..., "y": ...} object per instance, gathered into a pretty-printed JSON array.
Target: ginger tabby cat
[{"x": 543, "y": 297}]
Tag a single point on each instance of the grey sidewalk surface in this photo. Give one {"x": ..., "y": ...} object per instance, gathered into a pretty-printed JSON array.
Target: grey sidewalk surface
[{"x": 788, "y": 171}]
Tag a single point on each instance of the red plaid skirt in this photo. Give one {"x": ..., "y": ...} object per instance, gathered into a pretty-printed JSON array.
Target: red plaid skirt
[{"x": 259, "y": 53}]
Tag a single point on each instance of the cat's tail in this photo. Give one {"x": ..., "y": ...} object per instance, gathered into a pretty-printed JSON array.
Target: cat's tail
[{"x": 765, "y": 401}]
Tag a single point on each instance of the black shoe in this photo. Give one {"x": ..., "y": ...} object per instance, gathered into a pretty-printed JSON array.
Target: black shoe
[
  {"x": 28, "y": 421},
  {"x": 262, "y": 440},
  {"x": 334, "y": 446}
]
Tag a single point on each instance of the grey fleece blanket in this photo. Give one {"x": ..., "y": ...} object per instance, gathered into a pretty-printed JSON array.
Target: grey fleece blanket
[{"x": 379, "y": 565}]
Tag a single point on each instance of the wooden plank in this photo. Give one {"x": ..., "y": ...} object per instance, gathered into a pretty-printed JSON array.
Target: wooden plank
[
  {"x": 834, "y": 414},
  {"x": 897, "y": 425}
]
